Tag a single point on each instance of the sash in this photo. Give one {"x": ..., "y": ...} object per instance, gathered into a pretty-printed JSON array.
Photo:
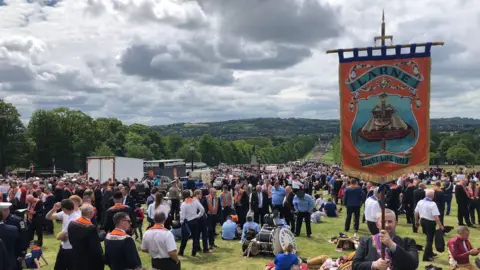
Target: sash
[
  {"x": 378, "y": 247},
  {"x": 226, "y": 199},
  {"x": 158, "y": 227},
  {"x": 211, "y": 209},
  {"x": 118, "y": 232},
  {"x": 83, "y": 221},
  {"x": 238, "y": 196},
  {"x": 12, "y": 193},
  {"x": 31, "y": 209}
]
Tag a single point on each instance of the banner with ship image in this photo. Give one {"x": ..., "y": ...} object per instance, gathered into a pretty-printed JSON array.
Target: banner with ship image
[{"x": 384, "y": 107}]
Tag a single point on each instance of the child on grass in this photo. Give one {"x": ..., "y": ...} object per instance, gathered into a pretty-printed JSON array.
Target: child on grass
[
  {"x": 140, "y": 216},
  {"x": 32, "y": 259}
]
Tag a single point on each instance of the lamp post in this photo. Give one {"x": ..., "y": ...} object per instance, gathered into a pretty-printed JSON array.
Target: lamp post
[{"x": 192, "y": 149}]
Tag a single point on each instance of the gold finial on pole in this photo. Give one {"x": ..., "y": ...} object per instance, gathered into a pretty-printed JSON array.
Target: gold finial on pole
[{"x": 382, "y": 37}]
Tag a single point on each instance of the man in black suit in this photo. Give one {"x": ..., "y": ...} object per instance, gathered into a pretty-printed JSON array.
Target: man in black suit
[
  {"x": 86, "y": 248},
  {"x": 418, "y": 195},
  {"x": 127, "y": 198},
  {"x": 4, "y": 262},
  {"x": 439, "y": 199},
  {"x": 9, "y": 236},
  {"x": 259, "y": 204},
  {"x": 463, "y": 199},
  {"x": 401, "y": 253},
  {"x": 108, "y": 224},
  {"x": 408, "y": 203}
]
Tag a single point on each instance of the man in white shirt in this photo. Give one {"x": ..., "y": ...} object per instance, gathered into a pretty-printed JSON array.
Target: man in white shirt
[
  {"x": 428, "y": 215},
  {"x": 160, "y": 244},
  {"x": 372, "y": 208},
  {"x": 68, "y": 214},
  {"x": 190, "y": 212}
]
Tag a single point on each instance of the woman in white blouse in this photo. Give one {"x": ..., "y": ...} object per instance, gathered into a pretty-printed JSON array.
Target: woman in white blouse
[{"x": 159, "y": 206}]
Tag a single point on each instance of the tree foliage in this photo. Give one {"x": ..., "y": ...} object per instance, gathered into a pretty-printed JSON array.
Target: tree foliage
[{"x": 65, "y": 138}]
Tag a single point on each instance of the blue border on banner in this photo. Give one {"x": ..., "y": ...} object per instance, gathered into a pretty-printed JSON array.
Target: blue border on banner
[{"x": 398, "y": 54}]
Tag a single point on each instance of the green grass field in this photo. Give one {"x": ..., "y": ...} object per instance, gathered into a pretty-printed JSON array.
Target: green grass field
[{"x": 229, "y": 252}]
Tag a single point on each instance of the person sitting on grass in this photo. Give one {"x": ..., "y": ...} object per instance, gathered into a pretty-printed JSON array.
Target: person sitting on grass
[
  {"x": 32, "y": 259},
  {"x": 330, "y": 208},
  {"x": 229, "y": 229},
  {"x": 319, "y": 202},
  {"x": 287, "y": 260},
  {"x": 250, "y": 225}
]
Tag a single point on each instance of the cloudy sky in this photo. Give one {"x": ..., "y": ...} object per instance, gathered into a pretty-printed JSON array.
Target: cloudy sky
[{"x": 166, "y": 61}]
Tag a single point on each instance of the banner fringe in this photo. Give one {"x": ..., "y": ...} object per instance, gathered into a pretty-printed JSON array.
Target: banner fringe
[{"x": 382, "y": 179}]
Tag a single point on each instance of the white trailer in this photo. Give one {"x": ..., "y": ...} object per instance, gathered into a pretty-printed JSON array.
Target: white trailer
[{"x": 104, "y": 168}]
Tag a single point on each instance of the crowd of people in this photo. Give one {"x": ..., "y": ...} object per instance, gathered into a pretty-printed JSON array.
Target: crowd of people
[{"x": 91, "y": 212}]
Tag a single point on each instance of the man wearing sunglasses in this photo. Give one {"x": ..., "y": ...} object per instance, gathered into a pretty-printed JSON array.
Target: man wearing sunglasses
[{"x": 120, "y": 250}]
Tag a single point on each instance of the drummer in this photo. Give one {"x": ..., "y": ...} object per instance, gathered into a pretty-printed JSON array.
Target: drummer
[{"x": 250, "y": 225}]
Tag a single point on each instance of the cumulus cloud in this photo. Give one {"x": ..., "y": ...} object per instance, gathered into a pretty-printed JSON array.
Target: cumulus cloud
[{"x": 165, "y": 61}]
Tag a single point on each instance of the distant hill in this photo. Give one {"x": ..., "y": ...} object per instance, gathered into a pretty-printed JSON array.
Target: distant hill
[{"x": 235, "y": 129}]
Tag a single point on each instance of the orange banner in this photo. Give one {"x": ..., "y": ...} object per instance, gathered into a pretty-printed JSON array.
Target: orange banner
[{"x": 385, "y": 119}]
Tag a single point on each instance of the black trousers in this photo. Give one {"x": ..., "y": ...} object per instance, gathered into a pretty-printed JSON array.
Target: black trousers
[
  {"x": 428, "y": 228},
  {"x": 241, "y": 213},
  {"x": 352, "y": 210},
  {"x": 290, "y": 219},
  {"x": 463, "y": 214},
  {"x": 410, "y": 213},
  {"x": 193, "y": 226},
  {"x": 203, "y": 230},
  {"x": 475, "y": 207},
  {"x": 280, "y": 209},
  {"x": 303, "y": 216},
  {"x": 175, "y": 209},
  {"x": 372, "y": 227},
  {"x": 212, "y": 224},
  {"x": 258, "y": 216},
  {"x": 227, "y": 210},
  {"x": 48, "y": 226},
  {"x": 165, "y": 264},
  {"x": 64, "y": 260},
  {"x": 35, "y": 227}
]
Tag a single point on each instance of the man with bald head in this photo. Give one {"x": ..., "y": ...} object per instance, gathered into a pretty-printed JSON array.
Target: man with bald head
[
  {"x": 428, "y": 215},
  {"x": 87, "y": 251},
  {"x": 35, "y": 218},
  {"x": 259, "y": 204}
]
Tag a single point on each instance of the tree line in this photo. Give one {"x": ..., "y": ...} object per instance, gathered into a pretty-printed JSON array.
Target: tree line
[
  {"x": 452, "y": 148},
  {"x": 65, "y": 138}
]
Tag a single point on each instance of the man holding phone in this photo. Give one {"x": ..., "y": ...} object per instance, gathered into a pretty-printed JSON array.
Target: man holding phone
[{"x": 461, "y": 249}]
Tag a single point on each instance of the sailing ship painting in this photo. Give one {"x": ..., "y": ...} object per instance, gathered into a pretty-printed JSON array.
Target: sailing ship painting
[{"x": 384, "y": 122}]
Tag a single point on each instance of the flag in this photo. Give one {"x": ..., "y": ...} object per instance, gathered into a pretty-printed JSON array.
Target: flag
[{"x": 384, "y": 112}]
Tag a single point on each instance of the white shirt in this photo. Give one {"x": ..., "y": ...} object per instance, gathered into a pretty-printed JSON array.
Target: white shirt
[
  {"x": 158, "y": 242},
  {"x": 260, "y": 199},
  {"x": 66, "y": 219},
  {"x": 427, "y": 209},
  {"x": 319, "y": 202},
  {"x": 191, "y": 210},
  {"x": 297, "y": 184},
  {"x": 164, "y": 207},
  {"x": 372, "y": 208}
]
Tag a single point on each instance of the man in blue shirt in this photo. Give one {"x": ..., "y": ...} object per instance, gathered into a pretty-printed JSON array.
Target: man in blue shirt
[
  {"x": 229, "y": 229},
  {"x": 249, "y": 225},
  {"x": 303, "y": 204},
  {"x": 330, "y": 208},
  {"x": 278, "y": 194}
]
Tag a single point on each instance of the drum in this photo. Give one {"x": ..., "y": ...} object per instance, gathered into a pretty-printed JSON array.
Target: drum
[
  {"x": 281, "y": 237},
  {"x": 264, "y": 236}
]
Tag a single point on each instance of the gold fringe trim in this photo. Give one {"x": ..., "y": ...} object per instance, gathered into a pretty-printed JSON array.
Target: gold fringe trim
[{"x": 382, "y": 179}]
